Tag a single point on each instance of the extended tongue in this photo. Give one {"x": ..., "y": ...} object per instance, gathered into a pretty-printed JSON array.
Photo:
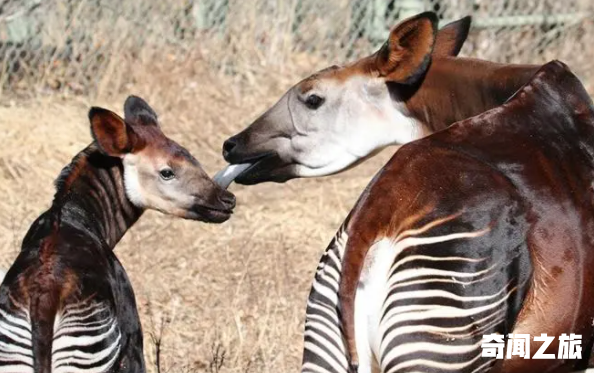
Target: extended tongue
[{"x": 225, "y": 177}]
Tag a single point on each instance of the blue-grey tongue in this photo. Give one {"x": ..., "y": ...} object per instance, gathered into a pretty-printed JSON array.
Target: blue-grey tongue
[{"x": 225, "y": 177}]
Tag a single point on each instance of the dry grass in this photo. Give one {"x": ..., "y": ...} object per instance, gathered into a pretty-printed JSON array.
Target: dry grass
[
  {"x": 92, "y": 46},
  {"x": 232, "y": 296}
]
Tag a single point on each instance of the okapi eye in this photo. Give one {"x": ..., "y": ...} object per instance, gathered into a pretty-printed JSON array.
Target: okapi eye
[
  {"x": 167, "y": 174},
  {"x": 314, "y": 101}
]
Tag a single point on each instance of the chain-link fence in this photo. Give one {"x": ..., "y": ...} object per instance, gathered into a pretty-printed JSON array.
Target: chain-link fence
[{"x": 87, "y": 45}]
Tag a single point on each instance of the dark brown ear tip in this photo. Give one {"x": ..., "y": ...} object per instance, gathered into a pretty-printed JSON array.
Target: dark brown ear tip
[
  {"x": 466, "y": 22},
  {"x": 462, "y": 24},
  {"x": 134, "y": 100},
  {"x": 135, "y": 106},
  {"x": 432, "y": 16},
  {"x": 95, "y": 110}
]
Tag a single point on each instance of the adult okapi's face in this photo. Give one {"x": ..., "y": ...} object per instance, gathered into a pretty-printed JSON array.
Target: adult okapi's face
[
  {"x": 159, "y": 174},
  {"x": 342, "y": 115}
]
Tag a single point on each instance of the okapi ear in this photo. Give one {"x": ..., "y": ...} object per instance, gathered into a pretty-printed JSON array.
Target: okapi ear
[
  {"x": 137, "y": 111},
  {"x": 407, "y": 53},
  {"x": 451, "y": 38},
  {"x": 110, "y": 132}
]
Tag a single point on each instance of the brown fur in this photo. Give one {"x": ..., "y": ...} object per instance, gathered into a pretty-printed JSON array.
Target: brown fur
[{"x": 458, "y": 88}]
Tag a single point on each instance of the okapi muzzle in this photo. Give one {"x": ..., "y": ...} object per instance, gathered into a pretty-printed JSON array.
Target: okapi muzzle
[{"x": 265, "y": 146}]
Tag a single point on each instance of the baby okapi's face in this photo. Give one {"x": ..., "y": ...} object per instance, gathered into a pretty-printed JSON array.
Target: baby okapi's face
[{"x": 159, "y": 174}]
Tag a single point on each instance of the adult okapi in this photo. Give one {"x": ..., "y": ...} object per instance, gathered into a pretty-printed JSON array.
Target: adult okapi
[
  {"x": 469, "y": 258},
  {"x": 66, "y": 304}
]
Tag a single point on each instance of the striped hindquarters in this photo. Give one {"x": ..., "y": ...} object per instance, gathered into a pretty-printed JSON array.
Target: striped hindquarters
[
  {"x": 86, "y": 339},
  {"x": 324, "y": 348},
  {"x": 447, "y": 285},
  {"x": 15, "y": 341},
  {"x": 424, "y": 300},
  {"x": 437, "y": 305}
]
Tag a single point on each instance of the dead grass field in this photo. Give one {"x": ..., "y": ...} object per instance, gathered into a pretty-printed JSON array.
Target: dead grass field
[{"x": 235, "y": 291}]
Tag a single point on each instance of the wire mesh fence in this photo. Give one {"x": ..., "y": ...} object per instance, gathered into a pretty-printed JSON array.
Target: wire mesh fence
[{"x": 91, "y": 46}]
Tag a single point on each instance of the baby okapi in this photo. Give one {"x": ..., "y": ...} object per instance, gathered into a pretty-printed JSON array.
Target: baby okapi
[{"x": 66, "y": 304}]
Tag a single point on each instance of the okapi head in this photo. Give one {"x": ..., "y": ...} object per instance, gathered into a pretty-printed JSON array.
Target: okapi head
[
  {"x": 159, "y": 174},
  {"x": 342, "y": 115}
]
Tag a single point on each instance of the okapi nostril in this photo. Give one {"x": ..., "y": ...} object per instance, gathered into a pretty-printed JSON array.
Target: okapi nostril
[
  {"x": 229, "y": 200},
  {"x": 228, "y": 146}
]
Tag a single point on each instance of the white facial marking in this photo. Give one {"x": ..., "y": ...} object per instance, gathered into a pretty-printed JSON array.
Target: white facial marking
[
  {"x": 358, "y": 118},
  {"x": 132, "y": 180}
]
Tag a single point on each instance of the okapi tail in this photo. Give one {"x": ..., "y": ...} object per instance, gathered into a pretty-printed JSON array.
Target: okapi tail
[
  {"x": 351, "y": 271},
  {"x": 43, "y": 315},
  {"x": 45, "y": 293},
  {"x": 355, "y": 251}
]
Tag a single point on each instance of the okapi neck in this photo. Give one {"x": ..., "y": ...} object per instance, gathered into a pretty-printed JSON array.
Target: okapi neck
[
  {"x": 458, "y": 88},
  {"x": 91, "y": 198}
]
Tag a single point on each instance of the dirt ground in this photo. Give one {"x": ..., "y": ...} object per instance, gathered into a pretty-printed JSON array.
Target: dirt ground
[{"x": 231, "y": 297}]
